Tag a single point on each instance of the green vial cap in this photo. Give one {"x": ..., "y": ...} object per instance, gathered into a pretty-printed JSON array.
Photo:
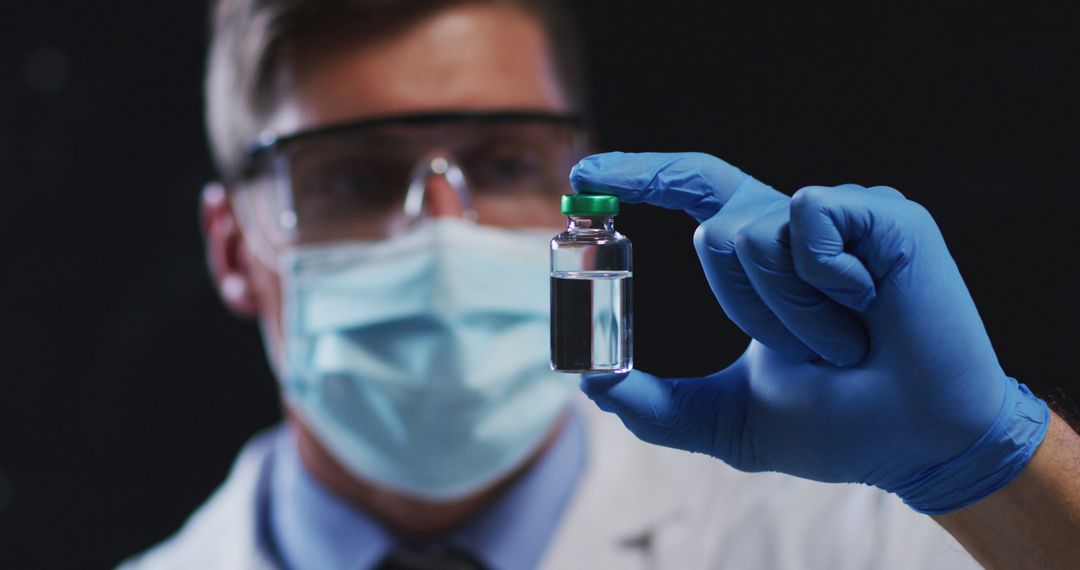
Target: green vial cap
[{"x": 589, "y": 205}]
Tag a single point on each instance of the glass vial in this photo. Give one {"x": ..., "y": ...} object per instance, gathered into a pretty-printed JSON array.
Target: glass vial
[{"x": 591, "y": 283}]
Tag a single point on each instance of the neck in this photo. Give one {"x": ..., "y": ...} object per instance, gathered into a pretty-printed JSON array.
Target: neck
[{"x": 411, "y": 517}]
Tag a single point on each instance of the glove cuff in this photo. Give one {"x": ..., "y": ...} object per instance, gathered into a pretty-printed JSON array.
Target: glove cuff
[{"x": 988, "y": 465}]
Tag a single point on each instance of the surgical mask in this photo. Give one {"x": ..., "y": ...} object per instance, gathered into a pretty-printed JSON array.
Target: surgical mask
[{"x": 421, "y": 362}]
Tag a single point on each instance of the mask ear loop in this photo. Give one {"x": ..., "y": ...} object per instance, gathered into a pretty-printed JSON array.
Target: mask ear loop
[{"x": 436, "y": 165}]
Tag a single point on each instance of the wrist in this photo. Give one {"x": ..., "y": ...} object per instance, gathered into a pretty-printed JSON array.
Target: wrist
[
  {"x": 989, "y": 464},
  {"x": 1032, "y": 522}
]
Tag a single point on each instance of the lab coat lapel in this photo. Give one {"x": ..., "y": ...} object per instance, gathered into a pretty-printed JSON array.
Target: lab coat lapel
[{"x": 629, "y": 509}]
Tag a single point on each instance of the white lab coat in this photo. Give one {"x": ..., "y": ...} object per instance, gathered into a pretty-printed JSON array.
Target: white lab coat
[{"x": 643, "y": 507}]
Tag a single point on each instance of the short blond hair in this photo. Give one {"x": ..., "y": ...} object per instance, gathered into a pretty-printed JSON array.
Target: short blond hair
[{"x": 248, "y": 38}]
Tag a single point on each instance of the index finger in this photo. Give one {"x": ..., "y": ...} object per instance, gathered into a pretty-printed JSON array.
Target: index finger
[{"x": 695, "y": 182}]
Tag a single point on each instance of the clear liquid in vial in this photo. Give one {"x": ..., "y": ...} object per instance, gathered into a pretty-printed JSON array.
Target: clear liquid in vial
[{"x": 590, "y": 321}]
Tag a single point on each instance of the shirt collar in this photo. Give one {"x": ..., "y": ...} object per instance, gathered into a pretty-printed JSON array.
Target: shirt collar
[{"x": 310, "y": 527}]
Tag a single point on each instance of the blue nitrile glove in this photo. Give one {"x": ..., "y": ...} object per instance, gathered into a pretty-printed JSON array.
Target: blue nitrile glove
[{"x": 870, "y": 363}]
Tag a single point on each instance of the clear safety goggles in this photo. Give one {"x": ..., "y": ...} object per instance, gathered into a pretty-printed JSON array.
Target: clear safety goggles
[{"x": 368, "y": 180}]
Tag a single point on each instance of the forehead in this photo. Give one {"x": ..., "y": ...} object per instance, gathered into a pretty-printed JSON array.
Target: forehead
[{"x": 469, "y": 56}]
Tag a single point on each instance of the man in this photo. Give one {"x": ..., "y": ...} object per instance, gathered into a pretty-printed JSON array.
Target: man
[{"x": 389, "y": 175}]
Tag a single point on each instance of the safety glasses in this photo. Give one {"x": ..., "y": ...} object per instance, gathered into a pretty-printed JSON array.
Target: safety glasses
[{"x": 369, "y": 179}]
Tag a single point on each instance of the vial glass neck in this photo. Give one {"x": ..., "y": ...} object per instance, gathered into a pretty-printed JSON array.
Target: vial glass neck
[{"x": 591, "y": 223}]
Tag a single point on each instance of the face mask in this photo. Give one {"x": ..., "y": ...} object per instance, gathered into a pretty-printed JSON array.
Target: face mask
[{"x": 421, "y": 362}]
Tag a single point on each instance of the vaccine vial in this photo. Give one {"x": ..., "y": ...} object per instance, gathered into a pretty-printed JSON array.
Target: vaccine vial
[{"x": 591, "y": 282}]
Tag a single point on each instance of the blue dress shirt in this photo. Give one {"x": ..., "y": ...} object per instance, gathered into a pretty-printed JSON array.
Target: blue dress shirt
[{"x": 308, "y": 526}]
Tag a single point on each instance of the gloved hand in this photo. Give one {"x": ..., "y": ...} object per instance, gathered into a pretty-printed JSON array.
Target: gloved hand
[{"x": 869, "y": 362}]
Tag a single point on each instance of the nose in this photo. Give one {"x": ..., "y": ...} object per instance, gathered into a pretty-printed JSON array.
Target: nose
[
  {"x": 440, "y": 198},
  {"x": 438, "y": 190}
]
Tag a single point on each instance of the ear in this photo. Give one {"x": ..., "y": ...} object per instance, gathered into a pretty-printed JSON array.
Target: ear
[{"x": 226, "y": 252}]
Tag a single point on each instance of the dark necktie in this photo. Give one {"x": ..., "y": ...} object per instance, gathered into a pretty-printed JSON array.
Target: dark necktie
[{"x": 428, "y": 557}]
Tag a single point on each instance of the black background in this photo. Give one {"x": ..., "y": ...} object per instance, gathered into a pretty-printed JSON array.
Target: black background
[{"x": 126, "y": 389}]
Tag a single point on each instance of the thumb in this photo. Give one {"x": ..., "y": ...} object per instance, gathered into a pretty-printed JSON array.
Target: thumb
[{"x": 692, "y": 414}]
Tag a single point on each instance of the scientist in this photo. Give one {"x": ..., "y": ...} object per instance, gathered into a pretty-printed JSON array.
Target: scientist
[{"x": 389, "y": 171}]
